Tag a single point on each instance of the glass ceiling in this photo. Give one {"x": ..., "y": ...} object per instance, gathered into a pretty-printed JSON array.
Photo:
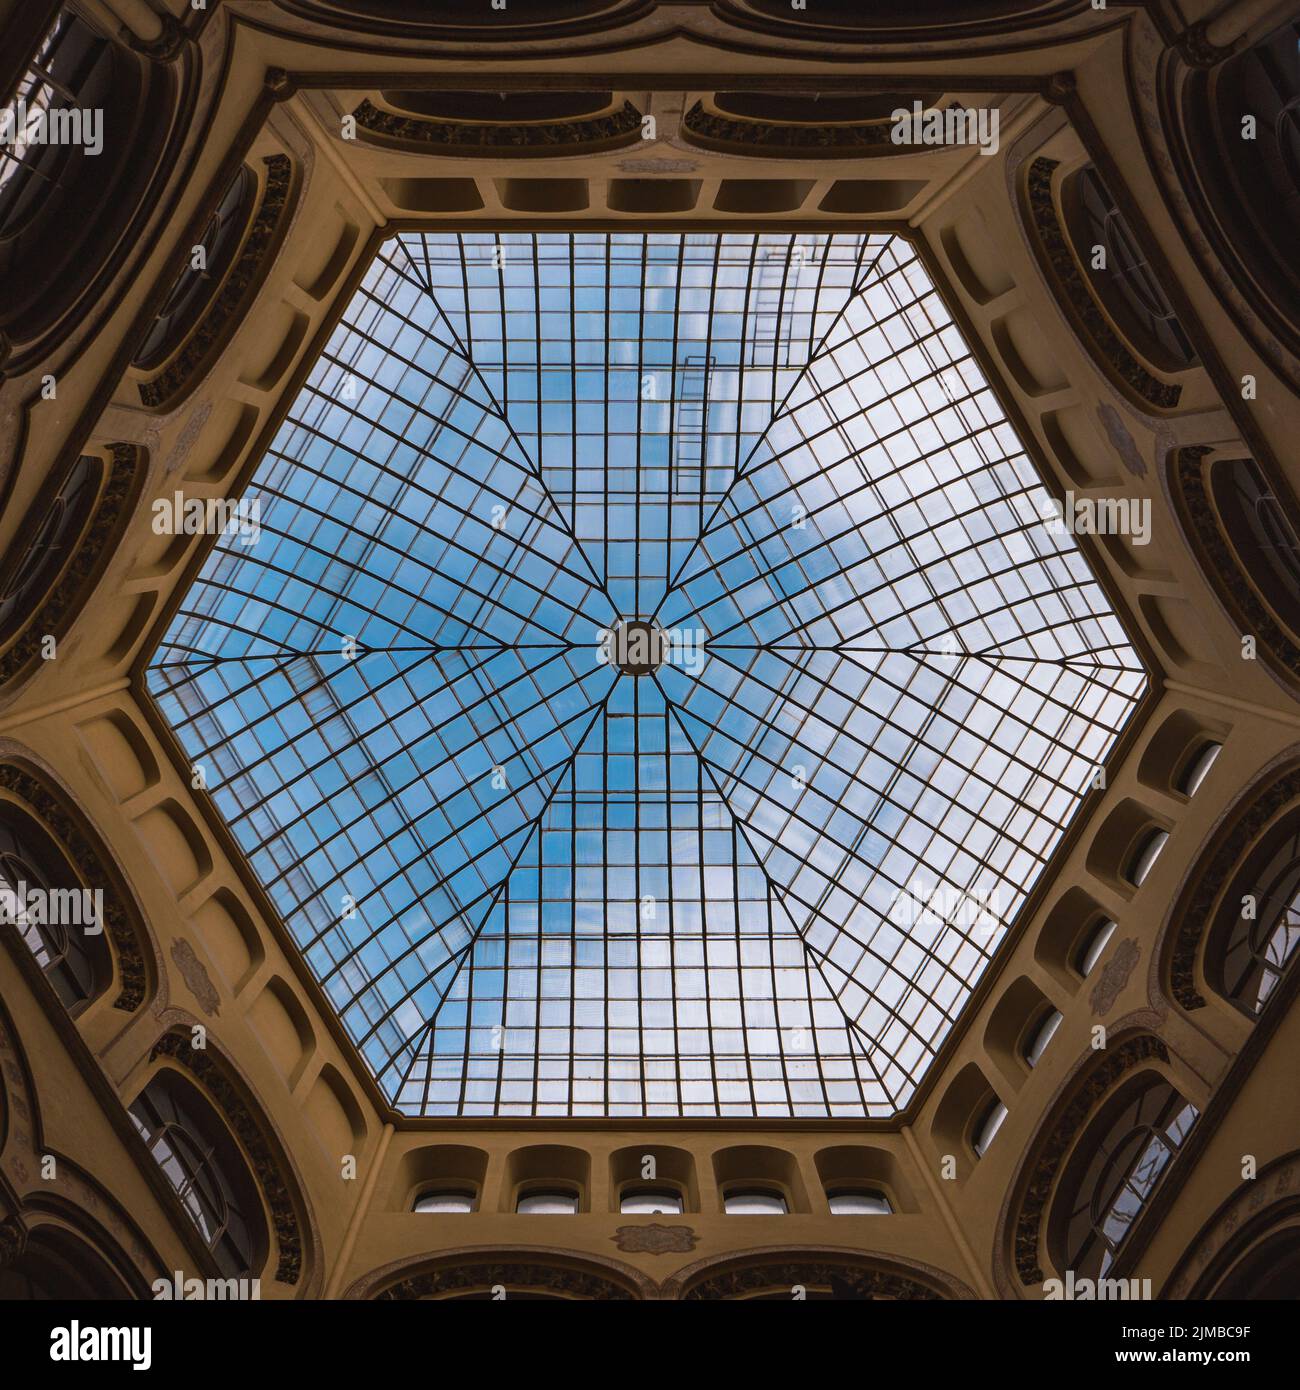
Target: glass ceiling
[{"x": 653, "y": 690}]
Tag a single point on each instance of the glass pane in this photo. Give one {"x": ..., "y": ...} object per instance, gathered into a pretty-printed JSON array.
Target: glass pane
[{"x": 654, "y": 690}]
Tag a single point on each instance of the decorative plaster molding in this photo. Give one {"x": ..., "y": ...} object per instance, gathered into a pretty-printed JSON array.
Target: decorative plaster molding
[
  {"x": 484, "y": 137},
  {"x": 196, "y": 977},
  {"x": 1114, "y": 977},
  {"x": 654, "y": 1239}
]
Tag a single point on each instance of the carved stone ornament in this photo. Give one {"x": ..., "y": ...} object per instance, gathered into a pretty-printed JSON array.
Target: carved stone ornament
[
  {"x": 1114, "y": 977},
  {"x": 477, "y": 137},
  {"x": 655, "y": 1239},
  {"x": 848, "y": 1281},
  {"x": 711, "y": 128},
  {"x": 509, "y": 1275},
  {"x": 196, "y": 977}
]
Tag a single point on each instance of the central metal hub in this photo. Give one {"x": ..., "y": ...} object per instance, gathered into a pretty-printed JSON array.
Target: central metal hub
[{"x": 636, "y": 646}]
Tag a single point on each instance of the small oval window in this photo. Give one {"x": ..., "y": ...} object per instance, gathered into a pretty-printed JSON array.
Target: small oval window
[
  {"x": 1041, "y": 1036},
  {"x": 863, "y": 1202},
  {"x": 547, "y": 1204},
  {"x": 444, "y": 1203},
  {"x": 647, "y": 1203},
  {"x": 1145, "y": 855},
  {"x": 754, "y": 1203},
  {"x": 986, "y": 1128},
  {"x": 1093, "y": 945},
  {"x": 1196, "y": 767}
]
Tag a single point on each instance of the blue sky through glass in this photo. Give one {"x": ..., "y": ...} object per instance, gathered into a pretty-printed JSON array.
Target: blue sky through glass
[{"x": 761, "y": 879}]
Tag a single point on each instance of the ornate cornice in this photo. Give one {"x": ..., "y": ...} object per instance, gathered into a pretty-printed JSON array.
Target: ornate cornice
[
  {"x": 1057, "y": 252},
  {"x": 564, "y": 1272},
  {"x": 1239, "y": 596},
  {"x": 863, "y": 1283},
  {"x": 249, "y": 1130},
  {"x": 454, "y": 22},
  {"x": 1060, "y": 1136},
  {"x": 230, "y": 301},
  {"x": 866, "y": 1275},
  {"x": 61, "y": 603},
  {"x": 608, "y": 131},
  {"x": 715, "y": 130},
  {"x": 553, "y": 1278},
  {"x": 121, "y": 925}
]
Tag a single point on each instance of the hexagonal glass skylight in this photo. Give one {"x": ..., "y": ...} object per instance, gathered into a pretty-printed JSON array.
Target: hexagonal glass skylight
[{"x": 653, "y": 690}]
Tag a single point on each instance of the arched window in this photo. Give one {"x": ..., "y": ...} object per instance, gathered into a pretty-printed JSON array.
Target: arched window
[
  {"x": 194, "y": 286},
  {"x": 56, "y": 1265},
  {"x": 1120, "y": 275},
  {"x": 203, "y": 1164},
  {"x": 80, "y": 143},
  {"x": 54, "y": 913},
  {"x": 68, "y": 73},
  {"x": 1122, "y": 1158},
  {"x": 859, "y": 1202},
  {"x": 48, "y": 542},
  {"x": 1261, "y": 944},
  {"x": 555, "y": 1202},
  {"x": 651, "y": 1202},
  {"x": 755, "y": 1201},
  {"x": 444, "y": 1203},
  {"x": 1261, "y": 535},
  {"x": 1251, "y": 178}
]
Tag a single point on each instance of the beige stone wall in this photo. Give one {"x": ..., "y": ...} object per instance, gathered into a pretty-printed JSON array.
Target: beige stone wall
[{"x": 262, "y": 81}]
